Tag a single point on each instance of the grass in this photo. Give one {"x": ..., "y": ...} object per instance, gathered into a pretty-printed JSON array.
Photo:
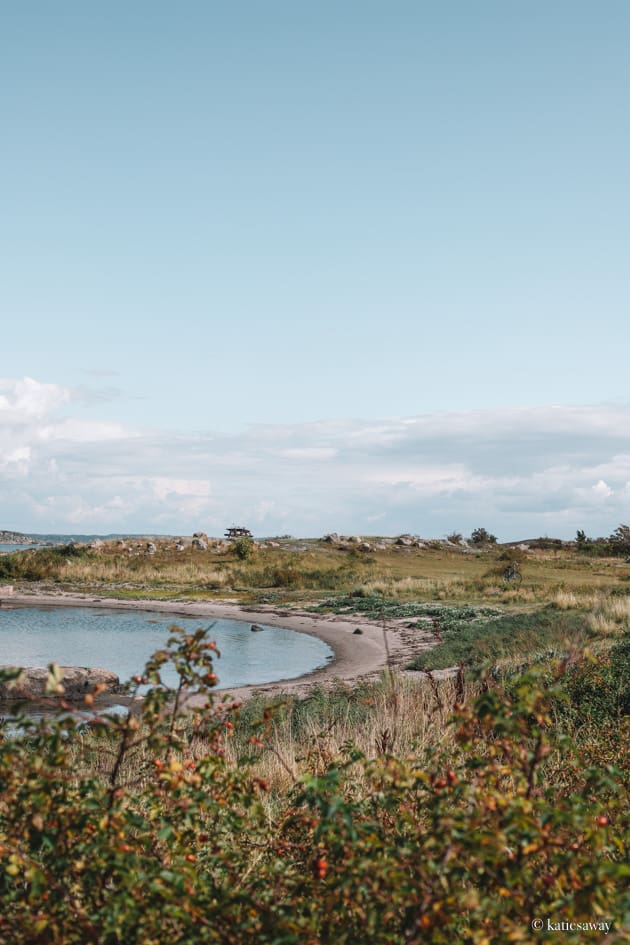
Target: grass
[
  {"x": 437, "y": 572},
  {"x": 509, "y": 642},
  {"x": 290, "y": 737},
  {"x": 399, "y": 715}
]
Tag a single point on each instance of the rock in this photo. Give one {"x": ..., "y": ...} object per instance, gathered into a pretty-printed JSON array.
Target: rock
[
  {"x": 404, "y": 541},
  {"x": 77, "y": 681},
  {"x": 365, "y": 546},
  {"x": 440, "y": 674},
  {"x": 355, "y": 539},
  {"x": 333, "y": 537},
  {"x": 6, "y": 590},
  {"x": 150, "y": 549},
  {"x": 256, "y": 628},
  {"x": 358, "y": 630},
  {"x": 15, "y": 538},
  {"x": 201, "y": 535},
  {"x": 273, "y": 544},
  {"x": 180, "y": 546},
  {"x": 199, "y": 543}
]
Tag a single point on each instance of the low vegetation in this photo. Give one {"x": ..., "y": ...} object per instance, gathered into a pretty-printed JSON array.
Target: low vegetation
[
  {"x": 405, "y": 811},
  {"x": 453, "y": 822}
]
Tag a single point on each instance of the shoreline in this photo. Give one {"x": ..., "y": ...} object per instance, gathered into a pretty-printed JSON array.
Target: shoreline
[{"x": 357, "y": 657}]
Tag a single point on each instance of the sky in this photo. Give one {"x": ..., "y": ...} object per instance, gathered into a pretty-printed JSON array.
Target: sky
[{"x": 342, "y": 266}]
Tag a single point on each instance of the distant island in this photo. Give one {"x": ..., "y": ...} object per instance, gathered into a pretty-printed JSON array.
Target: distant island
[{"x": 16, "y": 538}]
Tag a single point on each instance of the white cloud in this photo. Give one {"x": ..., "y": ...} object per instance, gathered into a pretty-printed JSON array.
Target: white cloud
[
  {"x": 163, "y": 487},
  {"x": 27, "y": 399},
  {"x": 519, "y": 472},
  {"x": 310, "y": 453},
  {"x": 81, "y": 431}
]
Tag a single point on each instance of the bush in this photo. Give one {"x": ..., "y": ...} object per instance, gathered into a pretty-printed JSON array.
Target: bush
[
  {"x": 544, "y": 543},
  {"x": 243, "y": 548},
  {"x": 138, "y": 830},
  {"x": 600, "y": 689},
  {"x": 40, "y": 564},
  {"x": 481, "y": 536}
]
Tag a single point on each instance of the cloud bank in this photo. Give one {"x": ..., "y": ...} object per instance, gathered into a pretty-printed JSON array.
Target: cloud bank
[{"x": 520, "y": 472}]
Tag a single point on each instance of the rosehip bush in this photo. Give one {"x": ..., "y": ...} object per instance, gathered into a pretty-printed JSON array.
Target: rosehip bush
[{"x": 138, "y": 830}]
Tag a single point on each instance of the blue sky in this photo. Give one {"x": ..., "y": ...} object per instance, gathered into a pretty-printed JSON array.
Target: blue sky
[{"x": 223, "y": 222}]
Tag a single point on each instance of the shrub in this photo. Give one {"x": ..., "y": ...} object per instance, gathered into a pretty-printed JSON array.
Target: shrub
[
  {"x": 170, "y": 843},
  {"x": 620, "y": 540},
  {"x": 481, "y": 536},
  {"x": 243, "y": 548},
  {"x": 600, "y": 689}
]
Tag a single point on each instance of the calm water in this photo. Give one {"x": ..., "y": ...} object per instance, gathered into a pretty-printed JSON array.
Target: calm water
[
  {"x": 122, "y": 641},
  {"x": 8, "y": 548}
]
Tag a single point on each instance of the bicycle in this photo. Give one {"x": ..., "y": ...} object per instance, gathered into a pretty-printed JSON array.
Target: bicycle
[{"x": 512, "y": 575}]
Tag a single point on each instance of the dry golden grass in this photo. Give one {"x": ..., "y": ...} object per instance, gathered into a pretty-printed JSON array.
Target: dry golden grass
[
  {"x": 610, "y": 616},
  {"x": 402, "y": 715},
  {"x": 565, "y": 578}
]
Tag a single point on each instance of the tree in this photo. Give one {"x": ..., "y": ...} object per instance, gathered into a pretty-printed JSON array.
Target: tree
[
  {"x": 620, "y": 540},
  {"x": 481, "y": 536}
]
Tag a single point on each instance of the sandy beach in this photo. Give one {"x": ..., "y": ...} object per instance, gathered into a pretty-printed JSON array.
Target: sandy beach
[{"x": 358, "y": 657}]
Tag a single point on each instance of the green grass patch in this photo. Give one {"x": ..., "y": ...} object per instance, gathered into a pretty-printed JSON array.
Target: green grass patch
[
  {"x": 376, "y": 607},
  {"x": 509, "y": 640}
]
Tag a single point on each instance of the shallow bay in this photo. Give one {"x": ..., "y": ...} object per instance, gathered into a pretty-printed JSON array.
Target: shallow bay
[{"x": 122, "y": 641}]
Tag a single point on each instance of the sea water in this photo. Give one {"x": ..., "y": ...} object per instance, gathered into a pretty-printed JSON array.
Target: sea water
[{"x": 122, "y": 641}]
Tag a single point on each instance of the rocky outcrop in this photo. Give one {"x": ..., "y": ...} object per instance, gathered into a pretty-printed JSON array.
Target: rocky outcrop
[
  {"x": 15, "y": 538},
  {"x": 76, "y": 681}
]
